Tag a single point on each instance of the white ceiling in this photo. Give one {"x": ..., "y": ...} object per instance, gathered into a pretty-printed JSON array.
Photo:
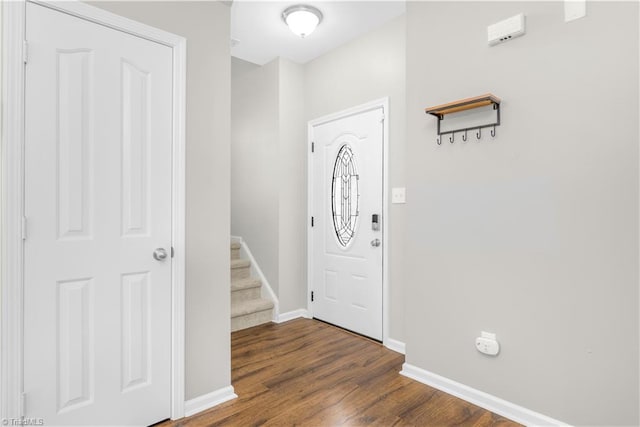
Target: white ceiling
[{"x": 263, "y": 35}]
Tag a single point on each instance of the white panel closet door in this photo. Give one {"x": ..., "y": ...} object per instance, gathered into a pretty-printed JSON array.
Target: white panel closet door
[{"x": 98, "y": 203}]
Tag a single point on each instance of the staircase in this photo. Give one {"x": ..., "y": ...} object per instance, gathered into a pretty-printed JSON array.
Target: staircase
[{"x": 247, "y": 307}]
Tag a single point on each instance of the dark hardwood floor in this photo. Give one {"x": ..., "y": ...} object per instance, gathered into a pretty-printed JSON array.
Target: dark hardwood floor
[{"x": 306, "y": 372}]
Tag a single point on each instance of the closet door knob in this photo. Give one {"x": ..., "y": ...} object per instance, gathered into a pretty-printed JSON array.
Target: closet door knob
[{"x": 159, "y": 254}]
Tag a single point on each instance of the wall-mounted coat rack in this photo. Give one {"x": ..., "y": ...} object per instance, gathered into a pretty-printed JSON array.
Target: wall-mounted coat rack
[{"x": 461, "y": 105}]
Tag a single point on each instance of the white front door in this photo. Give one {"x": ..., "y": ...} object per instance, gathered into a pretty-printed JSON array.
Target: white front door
[
  {"x": 98, "y": 138},
  {"x": 347, "y": 236}
]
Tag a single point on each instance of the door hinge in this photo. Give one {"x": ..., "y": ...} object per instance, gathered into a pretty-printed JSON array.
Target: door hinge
[
  {"x": 312, "y": 221},
  {"x": 311, "y": 296},
  {"x": 23, "y": 230},
  {"x": 25, "y": 51},
  {"x": 313, "y": 147},
  {"x": 172, "y": 252},
  {"x": 382, "y": 117},
  {"x": 23, "y": 404}
]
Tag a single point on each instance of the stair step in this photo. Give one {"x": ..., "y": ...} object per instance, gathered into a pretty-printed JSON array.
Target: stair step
[
  {"x": 250, "y": 320},
  {"x": 240, "y": 263},
  {"x": 250, "y": 307},
  {"x": 250, "y": 313},
  {"x": 240, "y": 269},
  {"x": 248, "y": 283},
  {"x": 245, "y": 290},
  {"x": 235, "y": 251}
]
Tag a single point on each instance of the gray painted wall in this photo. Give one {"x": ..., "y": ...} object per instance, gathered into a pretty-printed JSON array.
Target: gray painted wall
[
  {"x": 292, "y": 172},
  {"x": 268, "y": 173},
  {"x": 369, "y": 68},
  {"x": 254, "y": 180},
  {"x": 206, "y": 27},
  {"x": 239, "y": 67},
  {"x": 533, "y": 235}
]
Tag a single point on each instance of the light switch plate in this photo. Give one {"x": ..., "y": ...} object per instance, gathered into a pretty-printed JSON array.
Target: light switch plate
[
  {"x": 574, "y": 9},
  {"x": 398, "y": 195}
]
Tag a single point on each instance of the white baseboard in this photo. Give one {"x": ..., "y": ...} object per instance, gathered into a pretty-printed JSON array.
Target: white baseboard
[
  {"x": 290, "y": 315},
  {"x": 484, "y": 400},
  {"x": 208, "y": 401},
  {"x": 395, "y": 345}
]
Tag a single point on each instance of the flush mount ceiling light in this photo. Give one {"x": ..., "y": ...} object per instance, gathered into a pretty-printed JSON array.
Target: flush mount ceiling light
[{"x": 302, "y": 19}]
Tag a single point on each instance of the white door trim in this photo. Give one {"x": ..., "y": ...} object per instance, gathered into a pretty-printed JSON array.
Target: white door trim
[
  {"x": 12, "y": 197},
  {"x": 379, "y": 103}
]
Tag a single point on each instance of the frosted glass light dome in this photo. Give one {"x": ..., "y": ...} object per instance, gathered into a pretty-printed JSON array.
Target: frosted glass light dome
[{"x": 302, "y": 20}]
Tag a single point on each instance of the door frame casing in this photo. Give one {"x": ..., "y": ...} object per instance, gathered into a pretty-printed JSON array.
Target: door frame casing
[
  {"x": 12, "y": 197},
  {"x": 362, "y": 108}
]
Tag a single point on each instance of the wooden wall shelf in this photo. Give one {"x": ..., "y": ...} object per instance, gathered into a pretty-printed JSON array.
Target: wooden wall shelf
[{"x": 462, "y": 105}]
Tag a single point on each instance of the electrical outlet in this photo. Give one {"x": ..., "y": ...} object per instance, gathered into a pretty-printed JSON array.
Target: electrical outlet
[{"x": 487, "y": 343}]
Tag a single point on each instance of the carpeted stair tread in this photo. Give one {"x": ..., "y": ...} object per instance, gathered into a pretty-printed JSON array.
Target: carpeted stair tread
[
  {"x": 240, "y": 263},
  {"x": 250, "y": 306},
  {"x": 248, "y": 283}
]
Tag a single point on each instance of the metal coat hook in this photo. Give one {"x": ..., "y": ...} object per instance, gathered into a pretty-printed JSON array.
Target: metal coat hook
[{"x": 441, "y": 111}]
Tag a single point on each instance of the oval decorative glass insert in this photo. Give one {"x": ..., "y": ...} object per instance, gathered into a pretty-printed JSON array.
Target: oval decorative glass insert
[{"x": 344, "y": 195}]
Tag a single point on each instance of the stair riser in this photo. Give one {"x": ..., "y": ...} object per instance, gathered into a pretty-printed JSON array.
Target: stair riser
[
  {"x": 252, "y": 319},
  {"x": 235, "y": 253},
  {"x": 245, "y": 294},
  {"x": 239, "y": 273}
]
